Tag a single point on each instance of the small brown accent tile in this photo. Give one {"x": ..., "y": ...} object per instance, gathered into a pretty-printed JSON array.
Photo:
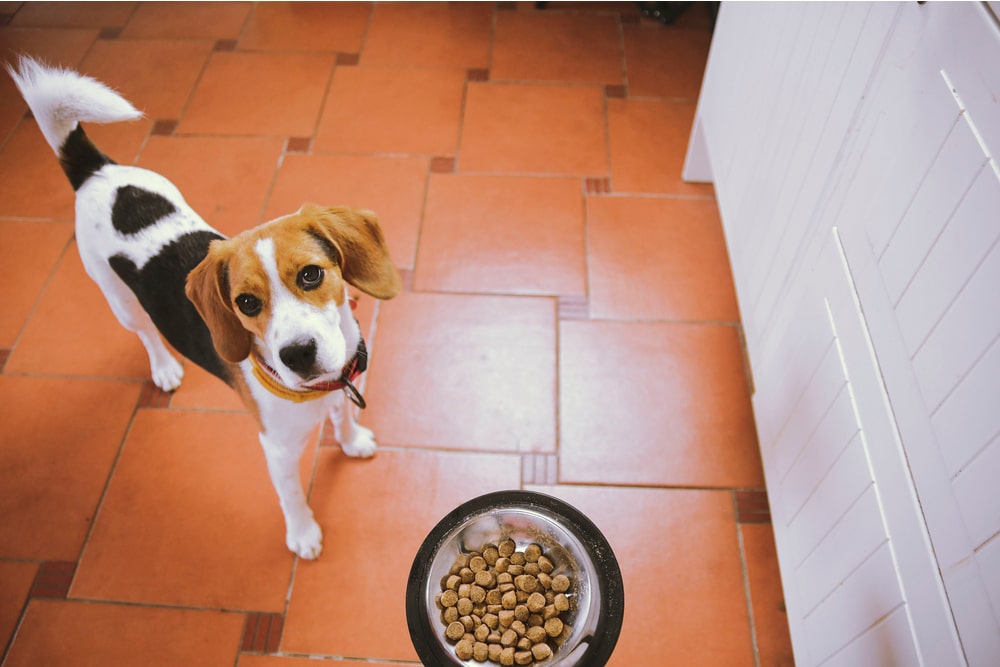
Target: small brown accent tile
[
  {"x": 539, "y": 469},
  {"x": 348, "y": 59},
  {"x": 164, "y": 127},
  {"x": 507, "y": 6},
  {"x": 298, "y": 144},
  {"x": 153, "y": 397},
  {"x": 631, "y": 18},
  {"x": 225, "y": 45},
  {"x": 53, "y": 580},
  {"x": 598, "y": 186},
  {"x": 110, "y": 33},
  {"x": 262, "y": 633},
  {"x": 615, "y": 92},
  {"x": 4, "y": 355},
  {"x": 574, "y": 308},
  {"x": 477, "y": 75},
  {"x": 752, "y": 507},
  {"x": 442, "y": 165}
]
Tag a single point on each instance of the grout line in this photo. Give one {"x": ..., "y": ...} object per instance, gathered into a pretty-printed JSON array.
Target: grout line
[
  {"x": 747, "y": 594},
  {"x": 95, "y": 516},
  {"x": 43, "y": 290}
]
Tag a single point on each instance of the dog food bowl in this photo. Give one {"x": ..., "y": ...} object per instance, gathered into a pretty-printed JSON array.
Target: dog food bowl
[{"x": 573, "y": 543}]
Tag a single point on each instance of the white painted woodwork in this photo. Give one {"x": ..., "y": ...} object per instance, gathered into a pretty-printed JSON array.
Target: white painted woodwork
[{"x": 853, "y": 150}]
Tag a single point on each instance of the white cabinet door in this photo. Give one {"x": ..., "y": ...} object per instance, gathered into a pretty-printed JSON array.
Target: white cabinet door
[
  {"x": 861, "y": 583},
  {"x": 922, "y": 227},
  {"x": 853, "y": 150}
]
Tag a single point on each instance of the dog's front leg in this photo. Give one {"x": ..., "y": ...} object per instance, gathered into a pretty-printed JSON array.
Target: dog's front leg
[
  {"x": 354, "y": 439},
  {"x": 302, "y": 534}
]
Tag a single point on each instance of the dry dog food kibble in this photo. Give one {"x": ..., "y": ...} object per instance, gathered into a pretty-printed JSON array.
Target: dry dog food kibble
[{"x": 502, "y": 606}]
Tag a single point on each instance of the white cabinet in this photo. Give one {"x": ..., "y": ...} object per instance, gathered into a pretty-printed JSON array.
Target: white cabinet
[{"x": 853, "y": 149}]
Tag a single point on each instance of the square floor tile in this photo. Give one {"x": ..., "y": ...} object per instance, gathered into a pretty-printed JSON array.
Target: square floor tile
[
  {"x": 188, "y": 20},
  {"x": 55, "y": 462},
  {"x": 665, "y": 62},
  {"x": 766, "y": 596},
  {"x": 582, "y": 48},
  {"x": 660, "y": 404},
  {"x": 121, "y": 141},
  {"x": 648, "y": 141},
  {"x": 64, "y": 47},
  {"x": 274, "y": 94},
  {"x": 306, "y": 26},
  {"x": 35, "y": 185},
  {"x": 392, "y": 110},
  {"x": 74, "y": 14},
  {"x": 156, "y": 76},
  {"x": 190, "y": 518},
  {"x": 534, "y": 129},
  {"x": 428, "y": 34},
  {"x": 502, "y": 234},
  {"x": 15, "y": 583},
  {"x": 464, "y": 372},
  {"x": 79, "y": 634},
  {"x": 658, "y": 259},
  {"x": 224, "y": 179},
  {"x": 29, "y": 253},
  {"x": 99, "y": 346},
  {"x": 200, "y": 390},
  {"x": 393, "y": 187},
  {"x": 679, "y": 556},
  {"x": 376, "y": 514}
]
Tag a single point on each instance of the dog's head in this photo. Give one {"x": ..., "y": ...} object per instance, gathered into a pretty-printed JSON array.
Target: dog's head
[{"x": 284, "y": 286}]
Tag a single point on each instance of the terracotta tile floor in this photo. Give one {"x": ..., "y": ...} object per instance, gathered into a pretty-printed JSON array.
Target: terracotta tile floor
[{"x": 568, "y": 325}]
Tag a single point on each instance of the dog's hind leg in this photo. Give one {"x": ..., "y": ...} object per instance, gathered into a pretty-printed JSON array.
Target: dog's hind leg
[{"x": 166, "y": 370}]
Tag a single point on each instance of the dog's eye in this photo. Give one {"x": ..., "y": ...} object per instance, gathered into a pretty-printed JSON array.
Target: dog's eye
[
  {"x": 310, "y": 277},
  {"x": 248, "y": 304}
]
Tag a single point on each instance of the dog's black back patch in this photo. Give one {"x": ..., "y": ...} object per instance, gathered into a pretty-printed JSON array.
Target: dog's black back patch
[
  {"x": 80, "y": 158},
  {"x": 136, "y": 209},
  {"x": 159, "y": 285}
]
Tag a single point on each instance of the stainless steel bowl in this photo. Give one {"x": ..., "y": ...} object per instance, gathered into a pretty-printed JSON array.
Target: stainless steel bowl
[{"x": 573, "y": 543}]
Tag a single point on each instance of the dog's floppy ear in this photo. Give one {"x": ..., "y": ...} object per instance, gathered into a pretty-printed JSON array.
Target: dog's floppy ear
[
  {"x": 354, "y": 240},
  {"x": 208, "y": 289}
]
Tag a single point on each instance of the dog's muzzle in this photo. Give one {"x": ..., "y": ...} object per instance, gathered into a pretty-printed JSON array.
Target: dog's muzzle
[{"x": 269, "y": 378}]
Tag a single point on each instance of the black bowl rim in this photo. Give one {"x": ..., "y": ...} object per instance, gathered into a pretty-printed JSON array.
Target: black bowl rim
[{"x": 608, "y": 575}]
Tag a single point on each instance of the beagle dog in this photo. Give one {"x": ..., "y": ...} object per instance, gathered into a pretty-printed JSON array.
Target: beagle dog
[{"x": 266, "y": 311}]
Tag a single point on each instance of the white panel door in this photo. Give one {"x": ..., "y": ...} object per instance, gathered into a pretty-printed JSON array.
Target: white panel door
[
  {"x": 853, "y": 148},
  {"x": 857, "y": 571},
  {"x": 922, "y": 227}
]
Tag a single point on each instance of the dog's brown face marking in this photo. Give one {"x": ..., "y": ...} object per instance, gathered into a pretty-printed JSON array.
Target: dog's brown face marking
[
  {"x": 249, "y": 290},
  {"x": 303, "y": 268},
  {"x": 284, "y": 284},
  {"x": 306, "y": 270}
]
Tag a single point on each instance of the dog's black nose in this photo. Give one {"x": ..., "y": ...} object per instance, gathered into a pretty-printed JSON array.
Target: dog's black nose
[{"x": 299, "y": 357}]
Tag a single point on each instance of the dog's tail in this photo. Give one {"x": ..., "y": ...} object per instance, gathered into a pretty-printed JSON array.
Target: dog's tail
[{"x": 59, "y": 99}]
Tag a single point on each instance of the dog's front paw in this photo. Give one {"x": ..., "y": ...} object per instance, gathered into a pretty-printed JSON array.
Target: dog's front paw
[
  {"x": 306, "y": 540},
  {"x": 167, "y": 374},
  {"x": 363, "y": 444}
]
